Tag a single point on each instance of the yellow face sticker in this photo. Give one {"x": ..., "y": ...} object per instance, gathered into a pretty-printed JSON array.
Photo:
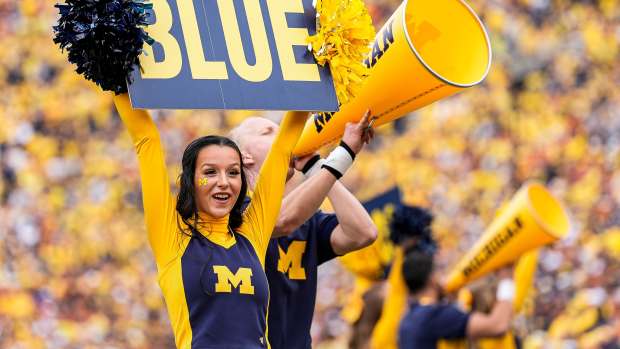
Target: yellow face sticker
[{"x": 203, "y": 181}]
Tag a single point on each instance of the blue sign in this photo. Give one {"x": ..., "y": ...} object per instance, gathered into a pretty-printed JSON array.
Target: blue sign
[
  {"x": 392, "y": 196},
  {"x": 232, "y": 54}
]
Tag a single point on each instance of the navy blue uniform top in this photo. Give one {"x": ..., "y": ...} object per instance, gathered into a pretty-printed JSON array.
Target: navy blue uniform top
[
  {"x": 424, "y": 326},
  {"x": 291, "y": 267},
  {"x": 224, "y": 281}
]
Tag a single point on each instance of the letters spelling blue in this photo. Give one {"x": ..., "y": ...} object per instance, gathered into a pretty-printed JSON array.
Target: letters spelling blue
[{"x": 232, "y": 54}]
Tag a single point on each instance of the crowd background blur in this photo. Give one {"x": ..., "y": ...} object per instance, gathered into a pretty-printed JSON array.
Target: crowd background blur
[{"x": 75, "y": 268}]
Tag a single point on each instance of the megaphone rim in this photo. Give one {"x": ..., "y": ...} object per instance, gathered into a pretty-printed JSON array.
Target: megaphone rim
[
  {"x": 434, "y": 73},
  {"x": 549, "y": 229}
]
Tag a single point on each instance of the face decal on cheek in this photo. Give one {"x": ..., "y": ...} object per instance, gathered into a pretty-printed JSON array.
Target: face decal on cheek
[{"x": 217, "y": 180}]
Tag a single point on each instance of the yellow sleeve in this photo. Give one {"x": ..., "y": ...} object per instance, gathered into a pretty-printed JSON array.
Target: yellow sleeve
[
  {"x": 524, "y": 273},
  {"x": 159, "y": 205},
  {"x": 385, "y": 333},
  {"x": 260, "y": 217}
]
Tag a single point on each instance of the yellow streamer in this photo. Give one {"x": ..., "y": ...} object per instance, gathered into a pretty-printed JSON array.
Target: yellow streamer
[{"x": 344, "y": 33}]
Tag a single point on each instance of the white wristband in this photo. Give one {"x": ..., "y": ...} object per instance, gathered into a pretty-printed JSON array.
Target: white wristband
[
  {"x": 314, "y": 169},
  {"x": 506, "y": 290},
  {"x": 339, "y": 160}
]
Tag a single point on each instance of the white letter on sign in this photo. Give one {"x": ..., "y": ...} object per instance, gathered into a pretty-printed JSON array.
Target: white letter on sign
[
  {"x": 263, "y": 67},
  {"x": 200, "y": 68},
  {"x": 160, "y": 32},
  {"x": 287, "y": 37}
]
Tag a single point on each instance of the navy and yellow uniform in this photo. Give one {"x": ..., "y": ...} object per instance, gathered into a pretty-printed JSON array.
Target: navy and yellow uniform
[
  {"x": 433, "y": 326},
  {"x": 291, "y": 266},
  {"x": 213, "y": 282}
]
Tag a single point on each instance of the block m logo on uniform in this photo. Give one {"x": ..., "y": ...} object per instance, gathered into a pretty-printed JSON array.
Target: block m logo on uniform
[
  {"x": 290, "y": 261},
  {"x": 226, "y": 280}
]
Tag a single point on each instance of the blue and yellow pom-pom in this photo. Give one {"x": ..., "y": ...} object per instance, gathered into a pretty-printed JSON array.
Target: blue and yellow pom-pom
[
  {"x": 344, "y": 33},
  {"x": 413, "y": 222},
  {"x": 103, "y": 38}
]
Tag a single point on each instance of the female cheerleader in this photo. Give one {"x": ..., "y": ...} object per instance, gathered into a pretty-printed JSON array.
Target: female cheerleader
[{"x": 209, "y": 254}]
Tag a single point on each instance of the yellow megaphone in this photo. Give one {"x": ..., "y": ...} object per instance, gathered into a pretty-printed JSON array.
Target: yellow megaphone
[
  {"x": 426, "y": 51},
  {"x": 533, "y": 218}
]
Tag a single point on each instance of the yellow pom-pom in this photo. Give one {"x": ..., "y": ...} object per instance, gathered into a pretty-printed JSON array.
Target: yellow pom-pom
[{"x": 343, "y": 37}]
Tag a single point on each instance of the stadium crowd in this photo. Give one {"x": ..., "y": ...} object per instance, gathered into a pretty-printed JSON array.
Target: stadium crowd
[{"x": 74, "y": 270}]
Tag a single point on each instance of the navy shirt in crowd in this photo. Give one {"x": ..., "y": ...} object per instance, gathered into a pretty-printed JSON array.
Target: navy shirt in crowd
[{"x": 425, "y": 326}]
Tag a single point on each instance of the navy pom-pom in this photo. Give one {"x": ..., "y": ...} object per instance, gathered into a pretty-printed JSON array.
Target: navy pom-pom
[
  {"x": 414, "y": 224},
  {"x": 104, "y": 38}
]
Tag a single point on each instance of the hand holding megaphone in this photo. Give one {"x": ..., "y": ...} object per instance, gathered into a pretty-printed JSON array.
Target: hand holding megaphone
[
  {"x": 353, "y": 140},
  {"x": 358, "y": 134}
]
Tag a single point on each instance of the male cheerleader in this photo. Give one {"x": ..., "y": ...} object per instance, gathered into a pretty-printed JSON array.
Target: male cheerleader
[
  {"x": 431, "y": 323},
  {"x": 304, "y": 238}
]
